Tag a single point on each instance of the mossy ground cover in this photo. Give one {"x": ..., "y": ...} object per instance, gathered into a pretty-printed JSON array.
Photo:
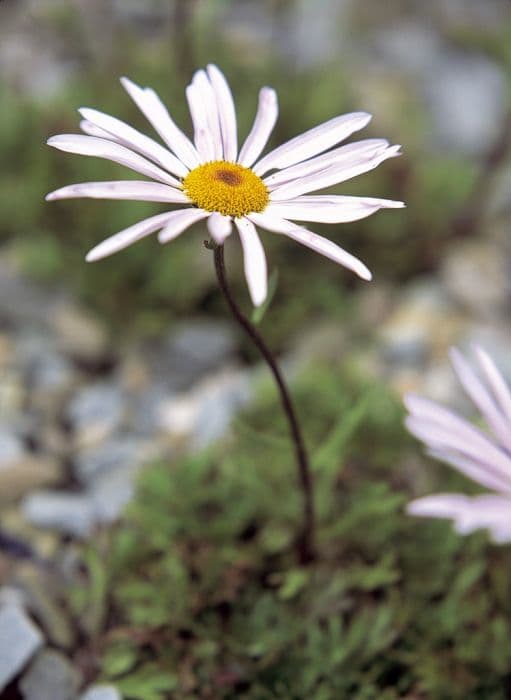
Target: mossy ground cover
[{"x": 198, "y": 594}]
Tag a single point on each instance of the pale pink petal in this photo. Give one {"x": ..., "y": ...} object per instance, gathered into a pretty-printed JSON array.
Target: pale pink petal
[
  {"x": 254, "y": 261},
  {"x": 124, "y": 189},
  {"x": 265, "y": 119},
  {"x": 312, "y": 142},
  {"x": 312, "y": 240},
  {"x": 482, "y": 399},
  {"x": 226, "y": 113},
  {"x": 429, "y": 412},
  {"x": 101, "y": 148},
  {"x": 331, "y": 176},
  {"x": 330, "y": 210},
  {"x": 489, "y": 477},
  {"x": 442, "y": 505},
  {"x": 201, "y": 134},
  {"x": 131, "y": 138},
  {"x": 179, "y": 221},
  {"x": 219, "y": 227},
  {"x": 479, "y": 512},
  {"x": 347, "y": 154},
  {"x": 156, "y": 113},
  {"x": 128, "y": 236},
  {"x": 495, "y": 381},
  {"x": 477, "y": 448}
]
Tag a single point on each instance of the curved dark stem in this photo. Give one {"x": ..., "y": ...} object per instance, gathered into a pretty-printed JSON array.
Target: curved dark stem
[{"x": 305, "y": 544}]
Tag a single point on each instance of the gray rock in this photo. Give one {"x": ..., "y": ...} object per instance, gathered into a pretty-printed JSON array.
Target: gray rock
[
  {"x": 476, "y": 273},
  {"x": 95, "y": 412},
  {"x": 50, "y": 677},
  {"x": 423, "y": 324},
  {"x": 495, "y": 339},
  {"x": 19, "y": 641},
  {"x": 31, "y": 305},
  {"x": 69, "y": 513},
  {"x": 192, "y": 350},
  {"x": 78, "y": 333},
  {"x": 407, "y": 45},
  {"x": 112, "y": 491},
  {"x": 11, "y": 447},
  {"x": 101, "y": 692},
  {"x": 121, "y": 452},
  {"x": 313, "y": 31},
  {"x": 455, "y": 90},
  {"x": 201, "y": 416},
  {"x": 25, "y": 474}
]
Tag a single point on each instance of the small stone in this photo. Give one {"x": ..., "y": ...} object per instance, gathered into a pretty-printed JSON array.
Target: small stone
[
  {"x": 12, "y": 449},
  {"x": 69, "y": 513},
  {"x": 12, "y": 393},
  {"x": 50, "y": 677},
  {"x": 78, "y": 332},
  {"x": 112, "y": 491},
  {"x": 476, "y": 273},
  {"x": 41, "y": 596},
  {"x": 455, "y": 87},
  {"x": 95, "y": 412},
  {"x": 25, "y": 474},
  {"x": 118, "y": 453},
  {"x": 194, "y": 349},
  {"x": 101, "y": 692},
  {"x": 19, "y": 641},
  {"x": 202, "y": 416},
  {"x": 423, "y": 325}
]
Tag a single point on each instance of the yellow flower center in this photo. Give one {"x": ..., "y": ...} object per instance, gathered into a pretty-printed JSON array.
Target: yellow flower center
[{"x": 228, "y": 188}]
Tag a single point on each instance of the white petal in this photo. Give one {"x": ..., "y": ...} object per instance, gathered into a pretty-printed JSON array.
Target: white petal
[
  {"x": 202, "y": 136},
  {"x": 179, "y": 221},
  {"x": 101, "y": 148},
  {"x": 265, "y": 119},
  {"x": 207, "y": 100},
  {"x": 219, "y": 227},
  {"x": 93, "y": 130},
  {"x": 254, "y": 261},
  {"x": 496, "y": 382},
  {"x": 331, "y": 176},
  {"x": 349, "y": 153},
  {"x": 312, "y": 142},
  {"x": 312, "y": 240},
  {"x": 124, "y": 189},
  {"x": 329, "y": 210},
  {"x": 156, "y": 113},
  {"x": 226, "y": 113},
  {"x": 133, "y": 139},
  {"x": 482, "y": 399},
  {"x": 129, "y": 235}
]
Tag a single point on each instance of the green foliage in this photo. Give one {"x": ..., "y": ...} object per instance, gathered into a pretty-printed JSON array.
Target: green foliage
[{"x": 204, "y": 598}]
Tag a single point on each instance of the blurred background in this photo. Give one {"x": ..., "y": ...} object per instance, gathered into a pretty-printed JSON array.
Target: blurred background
[{"x": 105, "y": 367}]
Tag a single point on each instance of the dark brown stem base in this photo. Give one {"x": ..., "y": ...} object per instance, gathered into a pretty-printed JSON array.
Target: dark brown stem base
[{"x": 306, "y": 541}]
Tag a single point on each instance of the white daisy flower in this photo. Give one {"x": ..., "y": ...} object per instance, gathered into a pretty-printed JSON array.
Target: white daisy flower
[
  {"x": 210, "y": 178},
  {"x": 484, "y": 458}
]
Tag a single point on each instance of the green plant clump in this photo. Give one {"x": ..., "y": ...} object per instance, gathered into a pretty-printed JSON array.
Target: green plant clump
[{"x": 198, "y": 594}]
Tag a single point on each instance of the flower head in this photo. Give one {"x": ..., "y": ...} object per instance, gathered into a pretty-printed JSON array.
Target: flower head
[
  {"x": 210, "y": 178},
  {"x": 485, "y": 457}
]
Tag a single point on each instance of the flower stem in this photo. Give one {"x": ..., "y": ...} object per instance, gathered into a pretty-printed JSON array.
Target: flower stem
[{"x": 305, "y": 543}]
